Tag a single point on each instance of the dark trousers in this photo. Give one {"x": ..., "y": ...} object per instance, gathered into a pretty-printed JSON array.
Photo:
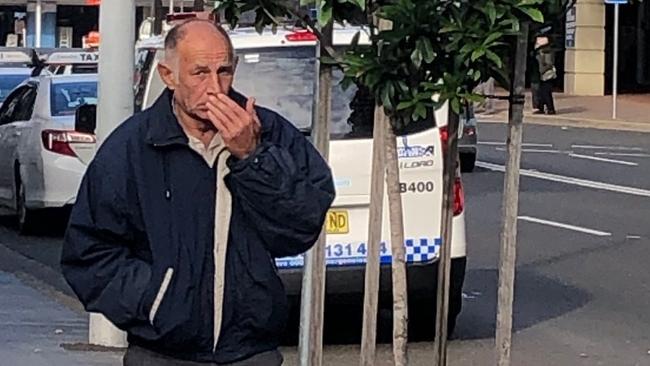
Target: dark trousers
[
  {"x": 534, "y": 89},
  {"x": 546, "y": 96},
  {"x": 137, "y": 356}
]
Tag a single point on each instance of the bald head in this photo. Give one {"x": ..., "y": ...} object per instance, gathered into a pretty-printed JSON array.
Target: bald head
[
  {"x": 196, "y": 29},
  {"x": 199, "y": 62}
]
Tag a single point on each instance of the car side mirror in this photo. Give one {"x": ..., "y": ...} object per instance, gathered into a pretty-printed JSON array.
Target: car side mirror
[{"x": 85, "y": 118}]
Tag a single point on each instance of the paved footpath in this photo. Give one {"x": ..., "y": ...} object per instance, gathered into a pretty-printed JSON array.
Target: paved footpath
[
  {"x": 34, "y": 327},
  {"x": 582, "y": 111}
]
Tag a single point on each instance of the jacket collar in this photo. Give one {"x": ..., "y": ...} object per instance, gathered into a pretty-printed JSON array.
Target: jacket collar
[{"x": 164, "y": 129}]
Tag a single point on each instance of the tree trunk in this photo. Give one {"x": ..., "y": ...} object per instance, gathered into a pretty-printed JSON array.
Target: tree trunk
[
  {"x": 310, "y": 346},
  {"x": 444, "y": 259},
  {"x": 510, "y": 203},
  {"x": 398, "y": 270},
  {"x": 371, "y": 288}
]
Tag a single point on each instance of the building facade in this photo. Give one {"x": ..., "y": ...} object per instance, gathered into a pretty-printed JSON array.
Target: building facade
[{"x": 584, "y": 40}]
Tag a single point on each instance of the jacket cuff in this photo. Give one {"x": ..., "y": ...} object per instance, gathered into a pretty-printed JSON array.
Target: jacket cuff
[{"x": 237, "y": 165}]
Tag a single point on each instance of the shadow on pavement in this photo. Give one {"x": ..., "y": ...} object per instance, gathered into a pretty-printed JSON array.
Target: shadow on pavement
[{"x": 537, "y": 299}]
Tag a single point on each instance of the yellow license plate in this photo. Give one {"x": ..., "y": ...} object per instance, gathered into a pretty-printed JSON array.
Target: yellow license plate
[{"x": 337, "y": 222}]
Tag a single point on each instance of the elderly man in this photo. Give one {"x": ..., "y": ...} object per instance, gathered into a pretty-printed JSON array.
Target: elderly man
[{"x": 183, "y": 210}]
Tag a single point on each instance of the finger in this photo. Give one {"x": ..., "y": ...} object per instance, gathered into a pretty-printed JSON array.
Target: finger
[
  {"x": 233, "y": 106},
  {"x": 221, "y": 110},
  {"x": 250, "y": 106},
  {"x": 219, "y": 120},
  {"x": 236, "y": 121}
]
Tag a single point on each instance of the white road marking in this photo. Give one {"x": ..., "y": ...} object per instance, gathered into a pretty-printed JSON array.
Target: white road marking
[
  {"x": 600, "y": 147},
  {"x": 635, "y": 237},
  {"x": 570, "y": 180},
  {"x": 528, "y": 144},
  {"x": 492, "y": 143},
  {"x": 533, "y": 150},
  {"x": 565, "y": 226},
  {"x": 632, "y": 155},
  {"x": 589, "y": 157}
]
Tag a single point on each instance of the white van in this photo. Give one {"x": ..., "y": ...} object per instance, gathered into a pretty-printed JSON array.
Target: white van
[{"x": 278, "y": 70}]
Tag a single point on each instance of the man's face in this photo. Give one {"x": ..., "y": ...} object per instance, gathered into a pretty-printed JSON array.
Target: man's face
[{"x": 204, "y": 67}]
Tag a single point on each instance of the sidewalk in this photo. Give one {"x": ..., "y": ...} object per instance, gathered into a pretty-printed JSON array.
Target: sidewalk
[
  {"x": 34, "y": 327},
  {"x": 633, "y": 111}
]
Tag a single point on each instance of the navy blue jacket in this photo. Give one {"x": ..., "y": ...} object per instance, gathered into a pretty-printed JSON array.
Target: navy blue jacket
[{"x": 147, "y": 204}]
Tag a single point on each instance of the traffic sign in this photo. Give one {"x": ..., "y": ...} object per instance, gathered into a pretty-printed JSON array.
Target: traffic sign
[{"x": 616, "y": 2}]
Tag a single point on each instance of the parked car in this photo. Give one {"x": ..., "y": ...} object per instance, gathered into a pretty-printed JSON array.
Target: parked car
[
  {"x": 42, "y": 157},
  {"x": 278, "y": 69},
  {"x": 467, "y": 145},
  {"x": 15, "y": 67}
]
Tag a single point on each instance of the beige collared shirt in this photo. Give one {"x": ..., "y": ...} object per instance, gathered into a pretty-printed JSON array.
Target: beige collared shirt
[{"x": 209, "y": 153}]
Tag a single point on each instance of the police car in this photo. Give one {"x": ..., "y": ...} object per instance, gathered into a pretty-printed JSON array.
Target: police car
[
  {"x": 42, "y": 157},
  {"x": 278, "y": 70},
  {"x": 15, "y": 67}
]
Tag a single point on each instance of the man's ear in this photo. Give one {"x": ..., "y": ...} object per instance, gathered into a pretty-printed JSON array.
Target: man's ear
[{"x": 167, "y": 75}]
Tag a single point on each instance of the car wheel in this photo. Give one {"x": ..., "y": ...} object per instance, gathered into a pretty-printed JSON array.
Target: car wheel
[
  {"x": 467, "y": 162},
  {"x": 422, "y": 310},
  {"x": 26, "y": 219}
]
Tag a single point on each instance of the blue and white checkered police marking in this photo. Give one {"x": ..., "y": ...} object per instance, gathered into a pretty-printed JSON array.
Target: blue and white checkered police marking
[{"x": 417, "y": 250}]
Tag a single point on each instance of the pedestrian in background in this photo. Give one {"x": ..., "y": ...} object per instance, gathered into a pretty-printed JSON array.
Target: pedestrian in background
[
  {"x": 547, "y": 73},
  {"x": 486, "y": 88},
  {"x": 184, "y": 208}
]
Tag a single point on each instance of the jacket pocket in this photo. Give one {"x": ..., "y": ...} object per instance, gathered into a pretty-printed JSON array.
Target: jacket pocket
[{"x": 164, "y": 286}]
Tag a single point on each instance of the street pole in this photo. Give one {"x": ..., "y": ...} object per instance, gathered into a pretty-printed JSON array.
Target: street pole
[
  {"x": 312, "y": 304},
  {"x": 159, "y": 16},
  {"x": 510, "y": 203},
  {"x": 38, "y": 23},
  {"x": 444, "y": 261},
  {"x": 615, "y": 67},
  {"x": 115, "y": 104},
  {"x": 171, "y": 7}
]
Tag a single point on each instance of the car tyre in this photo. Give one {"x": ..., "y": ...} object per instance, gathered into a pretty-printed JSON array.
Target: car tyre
[
  {"x": 26, "y": 217},
  {"x": 422, "y": 310},
  {"x": 467, "y": 162}
]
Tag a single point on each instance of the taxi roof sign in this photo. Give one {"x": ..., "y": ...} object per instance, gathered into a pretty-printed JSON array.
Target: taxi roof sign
[
  {"x": 74, "y": 57},
  {"x": 15, "y": 56}
]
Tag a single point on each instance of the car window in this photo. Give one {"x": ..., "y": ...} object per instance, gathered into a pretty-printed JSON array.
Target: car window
[
  {"x": 25, "y": 106},
  {"x": 9, "y": 107},
  {"x": 143, "y": 67},
  {"x": 65, "y": 97},
  {"x": 282, "y": 79},
  {"x": 8, "y": 83}
]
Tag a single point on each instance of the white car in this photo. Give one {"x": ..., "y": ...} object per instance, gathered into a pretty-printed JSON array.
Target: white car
[
  {"x": 42, "y": 157},
  {"x": 15, "y": 67},
  {"x": 279, "y": 70},
  {"x": 10, "y": 77}
]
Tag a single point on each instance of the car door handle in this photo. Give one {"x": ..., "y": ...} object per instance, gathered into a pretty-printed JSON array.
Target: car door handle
[{"x": 17, "y": 133}]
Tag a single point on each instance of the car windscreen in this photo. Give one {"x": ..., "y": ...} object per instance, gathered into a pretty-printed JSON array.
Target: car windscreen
[
  {"x": 8, "y": 83},
  {"x": 282, "y": 79},
  {"x": 65, "y": 97}
]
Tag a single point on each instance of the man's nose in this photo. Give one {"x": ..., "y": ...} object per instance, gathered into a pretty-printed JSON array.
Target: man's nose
[{"x": 214, "y": 87}]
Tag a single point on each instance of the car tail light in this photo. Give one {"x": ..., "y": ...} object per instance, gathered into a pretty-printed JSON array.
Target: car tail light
[
  {"x": 301, "y": 36},
  {"x": 459, "y": 197},
  {"x": 459, "y": 194},
  {"x": 58, "y": 141},
  {"x": 444, "y": 138}
]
